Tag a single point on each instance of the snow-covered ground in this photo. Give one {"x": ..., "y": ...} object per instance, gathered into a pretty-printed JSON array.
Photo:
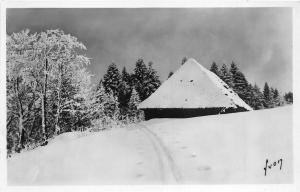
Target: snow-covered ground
[{"x": 230, "y": 148}]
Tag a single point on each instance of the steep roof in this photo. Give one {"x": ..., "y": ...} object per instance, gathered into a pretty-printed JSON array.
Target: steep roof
[{"x": 193, "y": 86}]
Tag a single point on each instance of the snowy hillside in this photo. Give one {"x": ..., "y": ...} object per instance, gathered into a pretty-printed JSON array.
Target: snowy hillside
[
  {"x": 193, "y": 86},
  {"x": 230, "y": 148}
]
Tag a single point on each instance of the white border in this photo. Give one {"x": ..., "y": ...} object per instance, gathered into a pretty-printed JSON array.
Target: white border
[{"x": 151, "y": 4}]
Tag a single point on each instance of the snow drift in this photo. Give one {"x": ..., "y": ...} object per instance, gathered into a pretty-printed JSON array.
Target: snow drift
[{"x": 193, "y": 86}]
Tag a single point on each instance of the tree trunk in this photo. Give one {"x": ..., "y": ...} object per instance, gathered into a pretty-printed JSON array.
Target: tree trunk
[
  {"x": 44, "y": 96},
  {"x": 21, "y": 130},
  {"x": 21, "y": 116},
  {"x": 57, "y": 128}
]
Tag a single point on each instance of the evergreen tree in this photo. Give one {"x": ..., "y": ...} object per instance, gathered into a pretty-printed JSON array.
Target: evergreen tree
[
  {"x": 240, "y": 85},
  {"x": 103, "y": 103},
  {"x": 96, "y": 105},
  {"x": 275, "y": 98},
  {"x": 111, "y": 106},
  {"x": 214, "y": 68},
  {"x": 288, "y": 97},
  {"x": 257, "y": 99},
  {"x": 266, "y": 94},
  {"x": 112, "y": 80},
  {"x": 146, "y": 79},
  {"x": 184, "y": 59},
  {"x": 233, "y": 69},
  {"x": 125, "y": 91},
  {"x": 226, "y": 76},
  {"x": 249, "y": 94},
  {"x": 272, "y": 98},
  {"x": 126, "y": 77},
  {"x": 140, "y": 77},
  {"x": 103, "y": 108},
  {"x": 134, "y": 113},
  {"x": 153, "y": 80},
  {"x": 170, "y": 74}
]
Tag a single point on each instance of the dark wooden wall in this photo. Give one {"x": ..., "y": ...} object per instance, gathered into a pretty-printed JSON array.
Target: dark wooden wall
[{"x": 186, "y": 112}]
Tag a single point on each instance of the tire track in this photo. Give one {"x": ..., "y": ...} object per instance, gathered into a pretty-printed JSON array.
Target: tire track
[{"x": 169, "y": 170}]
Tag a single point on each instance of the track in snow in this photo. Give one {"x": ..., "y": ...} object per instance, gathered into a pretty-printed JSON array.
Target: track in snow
[{"x": 169, "y": 171}]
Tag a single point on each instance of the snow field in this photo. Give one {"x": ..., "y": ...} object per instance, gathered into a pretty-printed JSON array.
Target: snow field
[
  {"x": 216, "y": 149},
  {"x": 230, "y": 148}
]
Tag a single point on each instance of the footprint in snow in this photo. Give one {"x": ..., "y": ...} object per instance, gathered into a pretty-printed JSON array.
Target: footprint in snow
[
  {"x": 139, "y": 175},
  {"x": 204, "y": 168},
  {"x": 139, "y": 163},
  {"x": 193, "y": 155}
]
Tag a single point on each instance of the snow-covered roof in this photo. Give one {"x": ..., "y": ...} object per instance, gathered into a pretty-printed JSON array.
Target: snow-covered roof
[{"x": 193, "y": 86}]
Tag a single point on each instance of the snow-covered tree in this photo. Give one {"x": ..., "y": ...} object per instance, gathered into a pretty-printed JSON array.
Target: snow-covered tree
[
  {"x": 240, "y": 85},
  {"x": 112, "y": 79},
  {"x": 48, "y": 69},
  {"x": 215, "y": 69},
  {"x": 20, "y": 96},
  {"x": 253, "y": 97},
  {"x": 152, "y": 81},
  {"x": 266, "y": 93},
  {"x": 226, "y": 76},
  {"x": 103, "y": 107},
  {"x": 134, "y": 113},
  {"x": 124, "y": 90},
  {"x": 288, "y": 97},
  {"x": 141, "y": 78},
  {"x": 233, "y": 69},
  {"x": 126, "y": 77},
  {"x": 257, "y": 98}
]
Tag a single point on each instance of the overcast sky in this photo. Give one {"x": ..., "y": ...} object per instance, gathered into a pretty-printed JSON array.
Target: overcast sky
[{"x": 259, "y": 40}]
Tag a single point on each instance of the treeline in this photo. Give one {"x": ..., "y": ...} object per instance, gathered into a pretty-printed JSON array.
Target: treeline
[
  {"x": 49, "y": 90},
  {"x": 269, "y": 97}
]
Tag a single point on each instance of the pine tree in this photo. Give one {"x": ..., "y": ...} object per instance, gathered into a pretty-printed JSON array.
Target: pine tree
[
  {"x": 96, "y": 104},
  {"x": 214, "y": 68},
  {"x": 112, "y": 79},
  {"x": 126, "y": 77},
  {"x": 134, "y": 113},
  {"x": 249, "y": 94},
  {"x": 170, "y": 74},
  {"x": 153, "y": 80},
  {"x": 240, "y": 85},
  {"x": 124, "y": 91},
  {"x": 266, "y": 94},
  {"x": 233, "y": 69},
  {"x": 103, "y": 108},
  {"x": 184, "y": 59},
  {"x": 277, "y": 99},
  {"x": 288, "y": 97},
  {"x": 111, "y": 106},
  {"x": 146, "y": 80},
  {"x": 226, "y": 76},
  {"x": 257, "y": 99},
  {"x": 272, "y": 98}
]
